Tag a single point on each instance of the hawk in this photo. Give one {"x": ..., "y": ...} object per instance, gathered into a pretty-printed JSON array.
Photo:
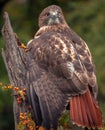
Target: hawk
[{"x": 60, "y": 71}]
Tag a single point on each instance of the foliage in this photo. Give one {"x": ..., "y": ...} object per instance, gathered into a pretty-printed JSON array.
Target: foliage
[
  {"x": 86, "y": 17},
  {"x": 25, "y": 118}
]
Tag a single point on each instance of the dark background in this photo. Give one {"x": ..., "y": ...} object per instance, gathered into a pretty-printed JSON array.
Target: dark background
[{"x": 86, "y": 17}]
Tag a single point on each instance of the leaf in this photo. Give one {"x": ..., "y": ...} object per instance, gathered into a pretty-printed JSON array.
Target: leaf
[{"x": 21, "y": 126}]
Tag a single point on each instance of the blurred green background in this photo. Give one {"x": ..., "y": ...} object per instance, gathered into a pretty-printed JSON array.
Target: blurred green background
[{"x": 86, "y": 17}]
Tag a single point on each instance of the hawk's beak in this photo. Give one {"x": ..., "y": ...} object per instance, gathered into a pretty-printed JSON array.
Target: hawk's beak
[
  {"x": 54, "y": 15},
  {"x": 53, "y": 18}
]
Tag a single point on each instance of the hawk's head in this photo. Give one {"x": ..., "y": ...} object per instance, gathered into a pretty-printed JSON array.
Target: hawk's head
[{"x": 52, "y": 15}]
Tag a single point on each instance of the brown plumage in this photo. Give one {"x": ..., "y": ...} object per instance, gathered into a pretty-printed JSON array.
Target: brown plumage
[{"x": 61, "y": 70}]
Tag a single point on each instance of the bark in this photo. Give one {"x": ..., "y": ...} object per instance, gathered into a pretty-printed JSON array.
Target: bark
[{"x": 14, "y": 58}]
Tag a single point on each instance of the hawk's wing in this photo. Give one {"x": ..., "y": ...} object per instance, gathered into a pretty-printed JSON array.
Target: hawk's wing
[
  {"x": 47, "y": 101},
  {"x": 86, "y": 58}
]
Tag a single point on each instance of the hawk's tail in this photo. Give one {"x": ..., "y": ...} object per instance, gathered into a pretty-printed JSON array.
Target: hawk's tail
[{"x": 85, "y": 112}]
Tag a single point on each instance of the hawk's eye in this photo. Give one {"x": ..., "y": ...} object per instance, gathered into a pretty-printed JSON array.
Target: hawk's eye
[
  {"x": 47, "y": 14},
  {"x": 59, "y": 12}
]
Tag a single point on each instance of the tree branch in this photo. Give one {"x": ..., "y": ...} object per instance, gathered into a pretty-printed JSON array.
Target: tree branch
[{"x": 14, "y": 58}]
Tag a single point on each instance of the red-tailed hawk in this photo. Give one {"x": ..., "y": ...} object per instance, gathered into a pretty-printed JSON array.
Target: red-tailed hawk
[{"x": 61, "y": 71}]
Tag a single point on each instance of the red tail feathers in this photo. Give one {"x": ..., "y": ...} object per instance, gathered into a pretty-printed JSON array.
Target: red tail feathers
[{"x": 85, "y": 112}]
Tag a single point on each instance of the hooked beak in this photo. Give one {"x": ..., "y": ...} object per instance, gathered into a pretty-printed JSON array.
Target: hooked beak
[
  {"x": 53, "y": 18},
  {"x": 53, "y": 15}
]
